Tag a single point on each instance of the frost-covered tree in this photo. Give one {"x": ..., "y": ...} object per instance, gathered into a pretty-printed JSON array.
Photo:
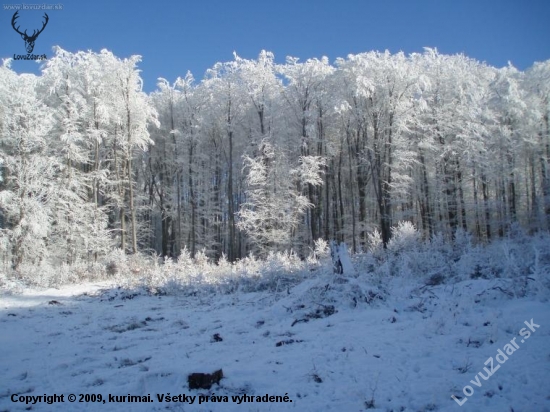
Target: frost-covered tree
[
  {"x": 28, "y": 168},
  {"x": 377, "y": 92},
  {"x": 274, "y": 204},
  {"x": 260, "y": 156},
  {"x": 537, "y": 83},
  {"x": 79, "y": 224},
  {"x": 308, "y": 98}
]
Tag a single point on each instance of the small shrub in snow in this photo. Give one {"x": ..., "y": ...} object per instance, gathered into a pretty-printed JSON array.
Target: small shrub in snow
[
  {"x": 462, "y": 243},
  {"x": 199, "y": 275},
  {"x": 375, "y": 246},
  {"x": 321, "y": 249},
  {"x": 320, "y": 252},
  {"x": 405, "y": 238}
]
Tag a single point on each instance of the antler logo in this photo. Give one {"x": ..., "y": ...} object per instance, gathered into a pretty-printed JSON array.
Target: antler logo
[{"x": 29, "y": 40}]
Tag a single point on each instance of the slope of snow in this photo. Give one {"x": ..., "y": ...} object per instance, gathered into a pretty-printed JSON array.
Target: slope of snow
[{"x": 331, "y": 343}]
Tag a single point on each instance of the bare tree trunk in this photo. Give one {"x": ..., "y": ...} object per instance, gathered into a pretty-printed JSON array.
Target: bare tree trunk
[
  {"x": 217, "y": 201},
  {"x": 476, "y": 207},
  {"x": 450, "y": 192},
  {"x": 461, "y": 196},
  {"x": 362, "y": 181},
  {"x": 133, "y": 222},
  {"x": 501, "y": 201},
  {"x": 511, "y": 188},
  {"x": 132, "y": 206},
  {"x": 341, "y": 223},
  {"x": 193, "y": 201},
  {"x": 385, "y": 211},
  {"x": 545, "y": 176},
  {"x": 230, "y": 200},
  {"x": 485, "y": 192},
  {"x": 534, "y": 199},
  {"x": 425, "y": 208},
  {"x": 335, "y": 217},
  {"x": 122, "y": 194},
  {"x": 328, "y": 171},
  {"x": 352, "y": 199},
  {"x": 320, "y": 191}
]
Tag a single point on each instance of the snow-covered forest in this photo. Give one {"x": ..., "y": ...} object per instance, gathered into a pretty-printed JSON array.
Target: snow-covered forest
[
  {"x": 262, "y": 157},
  {"x": 149, "y": 238}
]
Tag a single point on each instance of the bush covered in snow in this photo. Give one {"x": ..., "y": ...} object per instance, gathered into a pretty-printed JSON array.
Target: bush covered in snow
[{"x": 521, "y": 261}]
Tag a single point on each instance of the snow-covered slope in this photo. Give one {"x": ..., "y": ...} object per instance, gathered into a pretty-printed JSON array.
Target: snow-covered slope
[{"x": 329, "y": 343}]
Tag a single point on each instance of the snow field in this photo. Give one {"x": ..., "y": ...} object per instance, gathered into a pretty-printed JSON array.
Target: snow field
[{"x": 409, "y": 349}]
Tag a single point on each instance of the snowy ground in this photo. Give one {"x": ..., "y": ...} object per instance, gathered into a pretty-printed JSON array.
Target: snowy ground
[{"x": 396, "y": 348}]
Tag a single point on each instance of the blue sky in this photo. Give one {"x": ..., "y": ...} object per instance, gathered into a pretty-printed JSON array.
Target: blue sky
[{"x": 176, "y": 36}]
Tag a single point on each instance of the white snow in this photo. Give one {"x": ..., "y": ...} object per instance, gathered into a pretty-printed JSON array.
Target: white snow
[
  {"x": 402, "y": 346},
  {"x": 347, "y": 266}
]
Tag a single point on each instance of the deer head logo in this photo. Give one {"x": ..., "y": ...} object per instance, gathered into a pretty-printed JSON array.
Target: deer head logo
[{"x": 29, "y": 40}]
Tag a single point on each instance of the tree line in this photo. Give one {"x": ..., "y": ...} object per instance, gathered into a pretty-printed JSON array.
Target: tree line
[{"x": 259, "y": 156}]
